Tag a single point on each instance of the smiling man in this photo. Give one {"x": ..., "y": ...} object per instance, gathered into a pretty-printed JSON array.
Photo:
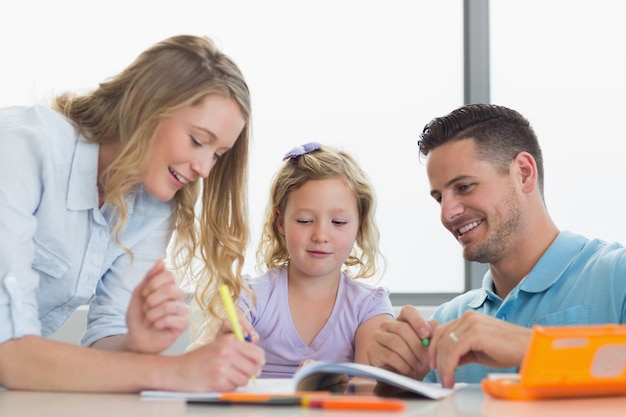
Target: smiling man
[{"x": 485, "y": 169}]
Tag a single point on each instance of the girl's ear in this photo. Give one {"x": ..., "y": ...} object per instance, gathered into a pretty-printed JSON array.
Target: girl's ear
[{"x": 280, "y": 222}]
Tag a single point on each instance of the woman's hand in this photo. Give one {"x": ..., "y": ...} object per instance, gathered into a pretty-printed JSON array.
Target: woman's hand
[
  {"x": 222, "y": 365},
  {"x": 246, "y": 328},
  {"x": 157, "y": 314}
]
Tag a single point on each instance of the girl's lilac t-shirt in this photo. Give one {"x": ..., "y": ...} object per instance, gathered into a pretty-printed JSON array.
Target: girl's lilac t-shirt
[{"x": 356, "y": 302}]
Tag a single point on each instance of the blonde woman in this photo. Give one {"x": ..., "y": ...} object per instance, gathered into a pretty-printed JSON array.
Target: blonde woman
[{"x": 92, "y": 189}]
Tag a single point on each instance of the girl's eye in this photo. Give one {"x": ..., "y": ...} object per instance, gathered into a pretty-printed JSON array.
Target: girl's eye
[
  {"x": 303, "y": 221},
  {"x": 339, "y": 222}
]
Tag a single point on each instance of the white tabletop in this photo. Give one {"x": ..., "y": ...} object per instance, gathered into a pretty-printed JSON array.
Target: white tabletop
[{"x": 469, "y": 402}]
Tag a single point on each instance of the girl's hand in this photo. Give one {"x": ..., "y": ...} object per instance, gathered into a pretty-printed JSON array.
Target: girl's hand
[{"x": 305, "y": 363}]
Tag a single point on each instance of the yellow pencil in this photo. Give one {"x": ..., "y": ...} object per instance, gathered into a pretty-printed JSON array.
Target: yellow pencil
[{"x": 229, "y": 305}]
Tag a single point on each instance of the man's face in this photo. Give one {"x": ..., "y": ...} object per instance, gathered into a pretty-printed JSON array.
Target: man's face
[{"x": 479, "y": 205}]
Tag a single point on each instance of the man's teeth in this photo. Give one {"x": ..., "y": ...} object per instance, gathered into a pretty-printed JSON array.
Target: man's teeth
[
  {"x": 178, "y": 177},
  {"x": 468, "y": 227}
]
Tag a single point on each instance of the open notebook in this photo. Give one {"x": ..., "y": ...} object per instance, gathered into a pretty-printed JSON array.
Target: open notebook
[
  {"x": 567, "y": 361},
  {"x": 324, "y": 376}
]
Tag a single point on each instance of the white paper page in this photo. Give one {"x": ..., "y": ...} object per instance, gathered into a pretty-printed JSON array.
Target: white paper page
[{"x": 261, "y": 386}]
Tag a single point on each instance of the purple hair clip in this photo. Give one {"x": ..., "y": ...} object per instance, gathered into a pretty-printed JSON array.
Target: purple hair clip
[{"x": 301, "y": 150}]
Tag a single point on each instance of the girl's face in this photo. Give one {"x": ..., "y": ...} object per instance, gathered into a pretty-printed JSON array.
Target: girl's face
[
  {"x": 189, "y": 142},
  {"x": 320, "y": 225}
]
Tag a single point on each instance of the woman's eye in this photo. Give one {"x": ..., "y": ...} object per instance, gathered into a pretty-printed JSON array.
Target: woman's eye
[{"x": 195, "y": 142}]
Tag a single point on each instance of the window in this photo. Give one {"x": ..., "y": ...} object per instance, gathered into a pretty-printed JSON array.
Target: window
[
  {"x": 562, "y": 64},
  {"x": 365, "y": 76}
]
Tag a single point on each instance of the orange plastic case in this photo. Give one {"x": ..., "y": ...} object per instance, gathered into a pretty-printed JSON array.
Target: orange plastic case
[{"x": 567, "y": 361}]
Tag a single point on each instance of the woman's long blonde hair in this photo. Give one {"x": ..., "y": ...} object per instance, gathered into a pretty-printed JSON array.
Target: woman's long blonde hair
[{"x": 209, "y": 240}]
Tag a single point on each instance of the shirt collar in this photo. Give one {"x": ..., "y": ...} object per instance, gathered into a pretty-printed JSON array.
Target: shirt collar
[
  {"x": 548, "y": 270},
  {"x": 82, "y": 191},
  {"x": 554, "y": 262}
]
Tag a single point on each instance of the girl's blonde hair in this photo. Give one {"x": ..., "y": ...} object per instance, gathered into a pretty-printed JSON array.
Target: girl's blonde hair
[
  {"x": 128, "y": 109},
  {"x": 320, "y": 164}
]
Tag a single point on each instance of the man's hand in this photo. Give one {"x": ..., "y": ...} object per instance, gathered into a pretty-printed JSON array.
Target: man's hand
[
  {"x": 476, "y": 338},
  {"x": 398, "y": 345}
]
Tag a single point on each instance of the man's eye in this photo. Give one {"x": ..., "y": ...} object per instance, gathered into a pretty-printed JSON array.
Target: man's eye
[{"x": 464, "y": 187}]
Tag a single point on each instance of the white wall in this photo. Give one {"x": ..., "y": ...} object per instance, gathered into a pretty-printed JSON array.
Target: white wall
[
  {"x": 367, "y": 75},
  {"x": 562, "y": 64},
  {"x": 363, "y": 75},
  {"x": 73, "y": 329}
]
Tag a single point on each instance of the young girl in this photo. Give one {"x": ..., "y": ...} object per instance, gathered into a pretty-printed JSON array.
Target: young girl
[
  {"x": 319, "y": 219},
  {"x": 91, "y": 190}
]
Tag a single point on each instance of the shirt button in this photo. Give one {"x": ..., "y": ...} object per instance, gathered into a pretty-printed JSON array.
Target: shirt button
[
  {"x": 502, "y": 317},
  {"x": 10, "y": 281},
  {"x": 66, "y": 308}
]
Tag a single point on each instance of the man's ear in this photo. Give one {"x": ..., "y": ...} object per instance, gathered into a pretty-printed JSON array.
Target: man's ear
[{"x": 525, "y": 168}]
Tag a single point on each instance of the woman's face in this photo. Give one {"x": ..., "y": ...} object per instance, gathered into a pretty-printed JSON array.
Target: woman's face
[{"x": 189, "y": 142}]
